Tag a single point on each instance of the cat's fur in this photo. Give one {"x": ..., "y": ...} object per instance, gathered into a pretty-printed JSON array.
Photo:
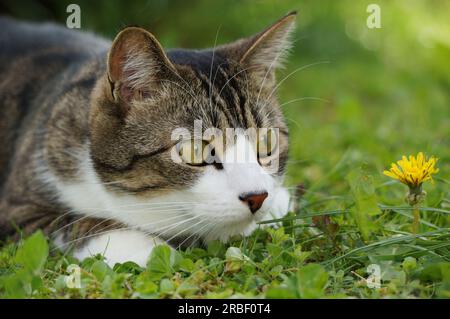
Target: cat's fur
[{"x": 86, "y": 125}]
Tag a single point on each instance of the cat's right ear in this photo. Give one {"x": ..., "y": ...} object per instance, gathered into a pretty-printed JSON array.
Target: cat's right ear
[
  {"x": 136, "y": 65},
  {"x": 264, "y": 52}
]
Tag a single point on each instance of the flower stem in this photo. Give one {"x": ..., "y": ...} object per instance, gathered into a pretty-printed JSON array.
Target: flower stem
[{"x": 416, "y": 219}]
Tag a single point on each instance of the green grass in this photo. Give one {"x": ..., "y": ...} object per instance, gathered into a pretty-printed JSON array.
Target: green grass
[{"x": 382, "y": 94}]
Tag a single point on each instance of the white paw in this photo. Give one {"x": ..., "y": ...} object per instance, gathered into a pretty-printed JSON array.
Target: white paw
[{"x": 120, "y": 246}]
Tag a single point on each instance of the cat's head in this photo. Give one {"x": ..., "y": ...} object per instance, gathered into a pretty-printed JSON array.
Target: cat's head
[{"x": 152, "y": 172}]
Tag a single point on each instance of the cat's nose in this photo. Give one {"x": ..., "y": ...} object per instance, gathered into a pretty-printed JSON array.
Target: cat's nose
[{"x": 254, "y": 200}]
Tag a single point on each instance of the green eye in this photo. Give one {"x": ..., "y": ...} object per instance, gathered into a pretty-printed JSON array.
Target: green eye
[
  {"x": 192, "y": 151},
  {"x": 267, "y": 142}
]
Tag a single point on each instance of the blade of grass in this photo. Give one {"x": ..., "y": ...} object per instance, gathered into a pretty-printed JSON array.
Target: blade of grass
[
  {"x": 290, "y": 218},
  {"x": 426, "y": 209},
  {"x": 424, "y": 222},
  {"x": 384, "y": 242},
  {"x": 323, "y": 200},
  {"x": 430, "y": 250}
]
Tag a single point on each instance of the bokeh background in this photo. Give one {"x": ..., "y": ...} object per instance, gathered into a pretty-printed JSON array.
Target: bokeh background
[{"x": 365, "y": 96}]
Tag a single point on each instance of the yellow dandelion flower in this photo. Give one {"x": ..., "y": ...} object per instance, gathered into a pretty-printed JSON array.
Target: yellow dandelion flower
[{"x": 413, "y": 171}]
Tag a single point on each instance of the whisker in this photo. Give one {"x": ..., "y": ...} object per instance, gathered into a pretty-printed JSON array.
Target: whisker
[
  {"x": 99, "y": 209},
  {"x": 270, "y": 68},
  {"x": 184, "y": 230},
  {"x": 306, "y": 98},
  {"x": 196, "y": 233},
  {"x": 212, "y": 63},
  {"x": 292, "y": 73},
  {"x": 86, "y": 216},
  {"x": 103, "y": 233}
]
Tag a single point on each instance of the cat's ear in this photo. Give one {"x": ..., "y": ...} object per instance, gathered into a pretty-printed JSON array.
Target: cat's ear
[
  {"x": 136, "y": 63},
  {"x": 264, "y": 52}
]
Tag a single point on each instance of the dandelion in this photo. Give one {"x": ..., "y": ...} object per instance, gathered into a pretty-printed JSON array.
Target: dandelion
[{"x": 413, "y": 172}]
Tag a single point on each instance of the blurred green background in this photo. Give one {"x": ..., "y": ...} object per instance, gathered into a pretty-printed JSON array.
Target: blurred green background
[{"x": 367, "y": 96}]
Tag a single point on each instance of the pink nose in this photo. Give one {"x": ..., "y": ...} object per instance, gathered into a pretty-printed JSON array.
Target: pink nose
[{"x": 253, "y": 200}]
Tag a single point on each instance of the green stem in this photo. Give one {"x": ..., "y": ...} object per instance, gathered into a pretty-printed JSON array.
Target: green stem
[
  {"x": 416, "y": 219},
  {"x": 414, "y": 198}
]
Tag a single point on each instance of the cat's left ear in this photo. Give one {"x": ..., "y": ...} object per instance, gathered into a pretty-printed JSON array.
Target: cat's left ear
[
  {"x": 136, "y": 63},
  {"x": 264, "y": 52}
]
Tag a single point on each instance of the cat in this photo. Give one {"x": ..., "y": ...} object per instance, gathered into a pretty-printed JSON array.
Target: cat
[{"x": 86, "y": 143}]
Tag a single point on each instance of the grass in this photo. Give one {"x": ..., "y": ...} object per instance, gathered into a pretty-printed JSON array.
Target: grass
[
  {"x": 312, "y": 253},
  {"x": 384, "y": 93}
]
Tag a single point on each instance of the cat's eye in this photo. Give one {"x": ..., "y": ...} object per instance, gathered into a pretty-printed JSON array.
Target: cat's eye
[
  {"x": 194, "y": 151},
  {"x": 267, "y": 142}
]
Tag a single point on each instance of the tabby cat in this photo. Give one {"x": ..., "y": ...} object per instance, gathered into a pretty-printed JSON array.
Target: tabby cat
[{"x": 86, "y": 138}]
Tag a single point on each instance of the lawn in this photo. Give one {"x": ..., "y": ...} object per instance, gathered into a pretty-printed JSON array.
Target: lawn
[{"x": 356, "y": 100}]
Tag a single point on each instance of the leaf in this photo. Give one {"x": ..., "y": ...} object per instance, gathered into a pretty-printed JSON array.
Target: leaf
[
  {"x": 128, "y": 267},
  {"x": 145, "y": 287},
  {"x": 278, "y": 236},
  {"x": 436, "y": 272},
  {"x": 280, "y": 293},
  {"x": 226, "y": 293},
  {"x": 311, "y": 281},
  {"x": 187, "y": 288},
  {"x": 162, "y": 261},
  {"x": 299, "y": 255},
  {"x": 186, "y": 265},
  {"x": 17, "y": 285},
  {"x": 274, "y": 250},
  {"x": 363, "y": 193},
  {"x": 235, "y": 259},
  {"x": 216, "y": 248},
  {"x": 235, "y": 254},
  {"x": 275, "y": 271},
  {"x": 100, "y": 270},
  {"x": 215, "y": 266},
  {"x": 166, "y": 286},
  {"x": 33, "y": 254}
]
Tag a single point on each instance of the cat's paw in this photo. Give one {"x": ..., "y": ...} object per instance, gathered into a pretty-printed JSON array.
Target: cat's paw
[{"x": 119, "y": 246}]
